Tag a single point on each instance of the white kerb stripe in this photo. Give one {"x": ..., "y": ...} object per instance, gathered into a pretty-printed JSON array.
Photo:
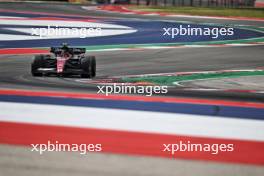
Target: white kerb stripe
[{"x": 136, "y": 121}]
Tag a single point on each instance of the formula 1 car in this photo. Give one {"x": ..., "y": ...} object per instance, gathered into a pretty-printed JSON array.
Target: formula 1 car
[{"x": 64, "y": 61}]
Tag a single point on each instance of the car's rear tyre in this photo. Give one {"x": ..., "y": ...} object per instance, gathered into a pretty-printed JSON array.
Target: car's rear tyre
[
  {"x": 93, "y": 66},
  {"x": 88, "y": 64},
  {"x": 37, "y": 63}
]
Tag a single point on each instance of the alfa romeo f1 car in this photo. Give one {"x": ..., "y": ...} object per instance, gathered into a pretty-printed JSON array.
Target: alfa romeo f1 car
[{"x": 64, "y": 61}]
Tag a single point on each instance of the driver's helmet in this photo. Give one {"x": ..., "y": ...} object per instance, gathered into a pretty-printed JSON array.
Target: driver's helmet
[{"x": 65, "y": 47}]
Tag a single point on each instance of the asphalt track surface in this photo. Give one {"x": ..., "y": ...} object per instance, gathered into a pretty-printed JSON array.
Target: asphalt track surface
[
  {"x": 15, "y": 74},
  {"x": 15, "y": 69}
]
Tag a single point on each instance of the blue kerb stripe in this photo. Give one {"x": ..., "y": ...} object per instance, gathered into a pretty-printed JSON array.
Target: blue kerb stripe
[{"x": 185, "y": 108}]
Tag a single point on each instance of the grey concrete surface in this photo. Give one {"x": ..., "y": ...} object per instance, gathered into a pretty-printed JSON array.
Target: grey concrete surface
[{"x": 19, "y": 160}]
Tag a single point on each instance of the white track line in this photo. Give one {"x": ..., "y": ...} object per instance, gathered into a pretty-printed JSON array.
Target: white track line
[{"x": 131, "y": 120}]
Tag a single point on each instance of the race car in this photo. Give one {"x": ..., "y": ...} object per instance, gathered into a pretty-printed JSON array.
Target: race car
[{"x": 64, "y": 61}]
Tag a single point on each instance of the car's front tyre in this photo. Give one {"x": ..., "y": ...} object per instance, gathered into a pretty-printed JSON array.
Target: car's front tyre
[{"x": 88, "y": 65}]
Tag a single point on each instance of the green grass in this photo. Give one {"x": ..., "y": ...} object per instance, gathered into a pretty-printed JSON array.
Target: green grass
[
  {"x": 169, "y": 80},
  {"x": 238, "y": 12}
]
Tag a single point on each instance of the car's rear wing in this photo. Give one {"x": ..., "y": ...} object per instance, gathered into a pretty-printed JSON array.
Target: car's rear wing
[{"x": 58, "y": 50}]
